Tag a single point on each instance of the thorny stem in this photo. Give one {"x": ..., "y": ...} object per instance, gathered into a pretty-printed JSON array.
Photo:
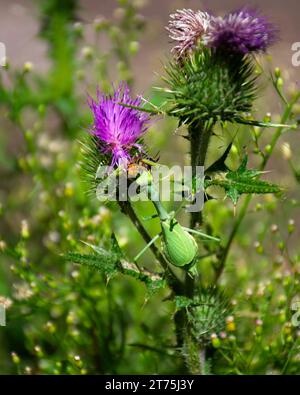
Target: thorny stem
[
  {"x": 225, "y": 251},
  {"x": 202, "y": 360},
  {"x": 199, "y": 135}
]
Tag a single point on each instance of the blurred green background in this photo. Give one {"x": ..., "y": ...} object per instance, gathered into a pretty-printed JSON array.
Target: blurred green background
[{"x": 62, "y": 318}]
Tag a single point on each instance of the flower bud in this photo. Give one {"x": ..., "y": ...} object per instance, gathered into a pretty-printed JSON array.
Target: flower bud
[
  {"x": 215, "y": 341},
  {"x": 230, "y": 324},
  {"x": 15, "y": 358},
  {"x": 27, "y": 67},
  {"x": 291, "y": 226},
  {"x": 25, "y": 229},
  {"x": 280, "y": 82},
  {"x": 134, "y": 47},
  {"x": 87, "y": 53},
  {"x": 277, "y": 72}
]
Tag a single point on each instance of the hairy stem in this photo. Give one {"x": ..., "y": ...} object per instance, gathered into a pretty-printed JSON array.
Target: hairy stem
[{"x": 199, "y": 135}]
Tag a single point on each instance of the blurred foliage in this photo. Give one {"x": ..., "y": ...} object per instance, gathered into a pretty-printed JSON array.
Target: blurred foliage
[{"x": 63, "y": 318}]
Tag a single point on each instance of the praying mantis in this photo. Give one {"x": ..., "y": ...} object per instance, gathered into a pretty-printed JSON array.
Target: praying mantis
[{"x": 178, "y": 245}]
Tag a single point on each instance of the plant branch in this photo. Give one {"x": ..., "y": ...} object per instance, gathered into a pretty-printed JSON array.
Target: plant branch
[{"x": 225, "y": 250}]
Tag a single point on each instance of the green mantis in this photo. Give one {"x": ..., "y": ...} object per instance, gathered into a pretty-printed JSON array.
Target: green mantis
[{"x": 178, "y": 245}]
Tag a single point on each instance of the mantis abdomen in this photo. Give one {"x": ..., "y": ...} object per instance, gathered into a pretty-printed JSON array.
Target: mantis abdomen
[{"x": 179, "y": 247}]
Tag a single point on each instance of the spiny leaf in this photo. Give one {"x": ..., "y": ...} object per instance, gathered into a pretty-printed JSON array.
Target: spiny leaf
[
  {"x": 241, "y": 181},
  {"x": 113, "y": 261},
  {"x": 104, "y": 263}
]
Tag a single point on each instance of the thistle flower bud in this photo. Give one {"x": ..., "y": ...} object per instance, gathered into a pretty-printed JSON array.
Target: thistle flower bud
[
  {"x": 258, "y": 247},
  {"x": 207, "y": 316},
  {"x": 268, "y": 149},
  {"x": 50, "y": 327},
  {"x": 291, "y": 226},
  {"x": 230, "y": 324},
  {"x": 25, "y": 229},
  {"x": 274, "y": 228},
  {"x": 277, "y": 72},
  {"x": 215, "y": 341},
  {"x": 78, "y": 361},
  {"x": 134, "y": 47},
  {"x": 27, "y": 67},
  {"x": 87, "y": 53},
  {"x": 280, "y": 82},
  {"x": 69, "y": 189},
  {"x": 15, "y": 358}
]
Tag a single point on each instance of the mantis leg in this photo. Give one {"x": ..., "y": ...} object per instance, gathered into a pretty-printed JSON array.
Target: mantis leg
[
  {"x": 196, "y": 232},
  {"x": 147, "y": 246},
  {"x": 150, "y": 217}
]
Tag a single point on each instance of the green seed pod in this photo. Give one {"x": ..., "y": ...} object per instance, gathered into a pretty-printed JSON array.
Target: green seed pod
[{"x": 179, "y": 247}]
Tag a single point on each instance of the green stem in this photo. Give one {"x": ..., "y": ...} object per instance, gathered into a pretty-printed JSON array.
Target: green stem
[
  {"x": 225, "y": 251},
  {"x": 199, "y": 135}
]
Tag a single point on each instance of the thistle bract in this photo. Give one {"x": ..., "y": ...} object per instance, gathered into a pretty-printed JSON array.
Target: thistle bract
[
  {"x": 208, "y": 86},
  {"x": 207, "y": 314},
  {"x": 117, "y": 128},
  {"x": 242, "y": 31}
]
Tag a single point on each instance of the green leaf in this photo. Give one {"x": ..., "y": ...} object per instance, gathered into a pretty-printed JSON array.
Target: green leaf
[
  {"x": 242, "y": 181},
  {"x": 113, "y": 261},
  {"x": 104, "y": 263}
]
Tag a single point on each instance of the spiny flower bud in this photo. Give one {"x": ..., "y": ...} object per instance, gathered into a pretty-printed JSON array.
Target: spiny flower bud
[{"x": 207, "y": 316}]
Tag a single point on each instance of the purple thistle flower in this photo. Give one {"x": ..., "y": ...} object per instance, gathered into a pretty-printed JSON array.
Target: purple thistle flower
[
  {"x": 242, "y": 31},
  {"x": 186, "y": 27},
  {"x": 117, "y": 127}
]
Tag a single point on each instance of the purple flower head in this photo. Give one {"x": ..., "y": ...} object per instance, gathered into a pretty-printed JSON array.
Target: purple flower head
[
  {"x": 242, "y": 31},
  {"x": 186, "y": 27},
  {"x": 118, "y": 128}
]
